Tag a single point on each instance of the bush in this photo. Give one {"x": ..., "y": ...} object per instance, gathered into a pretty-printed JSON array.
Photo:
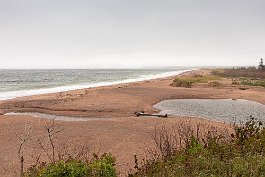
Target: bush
[
  {"x": 103, "y": 166},
  {"x": 244, "y": 76},
  {"x": 242, "y": 155},
  {"x": 180, "y": 82},
  {"x": 189, "y": 81},
  {"x": 249, "y": 81}
]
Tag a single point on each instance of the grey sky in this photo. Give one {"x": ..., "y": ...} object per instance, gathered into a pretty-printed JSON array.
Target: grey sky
[{"x": 130, "y": 33}]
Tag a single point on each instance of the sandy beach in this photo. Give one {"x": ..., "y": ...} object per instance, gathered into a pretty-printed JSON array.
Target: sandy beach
[
  {"x": 110, "y": 101},
  {"x": 123, "y": 134}
]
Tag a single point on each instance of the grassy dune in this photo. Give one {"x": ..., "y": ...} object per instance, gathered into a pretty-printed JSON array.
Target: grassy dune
[{"x": 244, "y": 76}]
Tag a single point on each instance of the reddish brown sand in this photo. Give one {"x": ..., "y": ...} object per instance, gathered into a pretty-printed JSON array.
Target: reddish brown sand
[{"x": 123, "y": 135}]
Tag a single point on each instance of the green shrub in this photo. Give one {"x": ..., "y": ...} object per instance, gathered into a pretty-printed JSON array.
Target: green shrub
[
  {"x": 189, "y": 81},
  {"x": 103, "y": 166},
  {"x": 249, "y": 81},
  {"x": 242, "y": 155},
  {"x": 243, "y": 76},
  {"x": 72, "y": 168},
  {"x": 252, "y": 82},
  {"x": 181, "y": 82}
]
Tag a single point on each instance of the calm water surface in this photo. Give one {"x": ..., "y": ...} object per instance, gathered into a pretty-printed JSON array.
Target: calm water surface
[{"x": 225, "y": 110}]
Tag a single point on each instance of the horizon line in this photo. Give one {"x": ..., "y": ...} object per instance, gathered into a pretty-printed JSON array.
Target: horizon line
[{"x": 144, "y": 67}]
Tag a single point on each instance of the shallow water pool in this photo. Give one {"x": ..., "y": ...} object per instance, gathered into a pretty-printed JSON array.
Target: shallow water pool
[{"x": 225, "y": 110}]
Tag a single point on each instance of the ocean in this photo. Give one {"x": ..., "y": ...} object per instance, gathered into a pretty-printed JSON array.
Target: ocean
[{"x": 18, "y": 83}]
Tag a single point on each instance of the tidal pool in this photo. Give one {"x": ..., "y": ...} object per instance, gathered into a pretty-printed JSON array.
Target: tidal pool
[{"x": 225, "y": 110}]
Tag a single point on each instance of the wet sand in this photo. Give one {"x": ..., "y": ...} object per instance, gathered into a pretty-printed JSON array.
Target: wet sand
[{"x": 124, "y": 135}]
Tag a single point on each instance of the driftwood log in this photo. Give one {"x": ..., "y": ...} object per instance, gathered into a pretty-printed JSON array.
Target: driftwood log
[{"x": 146, "y": 114}]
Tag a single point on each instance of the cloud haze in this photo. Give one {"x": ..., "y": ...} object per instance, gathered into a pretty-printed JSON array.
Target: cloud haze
[{"x": 130, "y": 33}]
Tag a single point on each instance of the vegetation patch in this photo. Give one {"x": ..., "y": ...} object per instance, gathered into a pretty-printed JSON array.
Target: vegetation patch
[
  {"x": 251, "y": 82},
  {"x": 250, "y": 72},
  {"x": 103, "y": 166},
  {"x": 182, "y": 82},
  {"x": 214, "y": 155},
  {"x": 189, "y": 81},
  {"x": 244, "y": 76}
]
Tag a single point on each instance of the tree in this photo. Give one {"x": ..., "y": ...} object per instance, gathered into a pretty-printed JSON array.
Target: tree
[
  {"x": 23, "y": 137},
  {"x": 261, "y": 65}
]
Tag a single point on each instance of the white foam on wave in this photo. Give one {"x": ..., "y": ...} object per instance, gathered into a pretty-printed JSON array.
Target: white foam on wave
[{"x": 21, "y": 93}]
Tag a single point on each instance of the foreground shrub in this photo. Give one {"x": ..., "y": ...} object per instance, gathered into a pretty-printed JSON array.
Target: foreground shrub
[
  {"x": 242, "y": 155},
  {"x": 103, "y": 166}
]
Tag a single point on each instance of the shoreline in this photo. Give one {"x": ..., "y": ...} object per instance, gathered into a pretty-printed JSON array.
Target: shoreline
[
  {"x": 74, "y": 95},
  {"x": 123, "y": 100},
  {"x": 25, "y": 93}
]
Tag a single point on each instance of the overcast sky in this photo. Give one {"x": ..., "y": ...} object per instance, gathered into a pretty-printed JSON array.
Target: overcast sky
[{"x": 130, "y": 33}]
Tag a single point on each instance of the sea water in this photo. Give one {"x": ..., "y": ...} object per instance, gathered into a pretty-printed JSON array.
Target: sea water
[{"x": 17, "y": 83}]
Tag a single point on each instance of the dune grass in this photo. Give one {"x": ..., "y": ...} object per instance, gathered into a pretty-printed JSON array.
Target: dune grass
[
  {"x": 243, "y": 76},
  {"x": 190, "y": 80},
  {"x": 241, "y": 72},
  {"x": 248, "y": 81}
]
